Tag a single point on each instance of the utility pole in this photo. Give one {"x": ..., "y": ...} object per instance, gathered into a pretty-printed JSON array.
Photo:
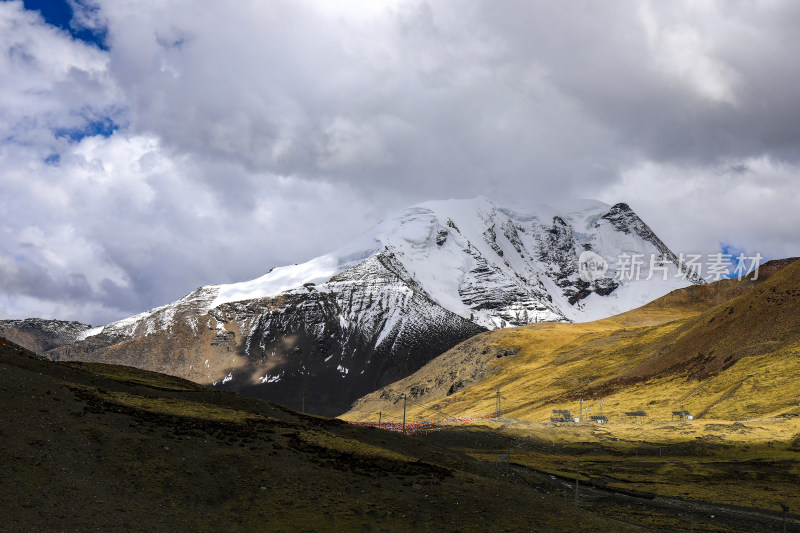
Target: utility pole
[
  {"x": 404, "y": 413},
  {"x": 380, "y": 413},
  {"x": 499, "y": 409},
  {"x": 580, "y": 409},
  {"x": 785, "y": 509},
  {"x": 577, "y": 480}
]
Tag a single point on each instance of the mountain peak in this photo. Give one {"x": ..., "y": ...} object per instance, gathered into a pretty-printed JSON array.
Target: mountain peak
[{"x": 493, "y": 265}]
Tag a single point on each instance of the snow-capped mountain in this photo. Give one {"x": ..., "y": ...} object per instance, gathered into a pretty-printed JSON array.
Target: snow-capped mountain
[
  {"x": 40, "y": 335},
  {"x": 326, "y": 331}
]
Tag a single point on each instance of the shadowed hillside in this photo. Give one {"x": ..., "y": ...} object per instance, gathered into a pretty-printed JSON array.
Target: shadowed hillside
[{"x": 88, "y": 447}]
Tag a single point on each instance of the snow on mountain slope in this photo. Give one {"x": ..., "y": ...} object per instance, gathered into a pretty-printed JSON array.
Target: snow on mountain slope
[
  {"x": 40, "y": 335},
  {"x": 318, "y": 347},
  {"x": 494, "y": 266},
  {"x": 392, "y": 299}
]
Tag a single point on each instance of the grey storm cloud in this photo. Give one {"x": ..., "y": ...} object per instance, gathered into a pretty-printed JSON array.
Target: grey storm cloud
[
  {"x": 464, "y": 90},
  {"x": 252, "y": 134},
  {"x": 34, "y": 280}
]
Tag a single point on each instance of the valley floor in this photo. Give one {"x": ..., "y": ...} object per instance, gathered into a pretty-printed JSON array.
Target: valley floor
[
  {"x": 713, "y": 475},
  {"x": 102, "y": 447}
]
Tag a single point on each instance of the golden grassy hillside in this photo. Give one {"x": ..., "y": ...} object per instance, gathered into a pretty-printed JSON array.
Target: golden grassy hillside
[{"x": 727, "y": 350}]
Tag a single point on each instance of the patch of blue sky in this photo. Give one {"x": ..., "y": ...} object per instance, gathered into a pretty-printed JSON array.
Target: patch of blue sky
[
  {"x": 730, "y": 249},
  {"x": 59, "y": 13},
  {"x": 741, "y": 260},
  {"x": 104, "y": 126}
]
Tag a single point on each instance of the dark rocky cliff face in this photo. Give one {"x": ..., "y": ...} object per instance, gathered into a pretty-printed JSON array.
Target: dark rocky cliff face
[
  {"x": 624, "y": 220},
  {"x": 368, "y": 327}
]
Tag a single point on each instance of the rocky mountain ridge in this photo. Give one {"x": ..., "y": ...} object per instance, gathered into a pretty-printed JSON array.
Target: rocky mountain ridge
[{"x": 42, "y": 335}]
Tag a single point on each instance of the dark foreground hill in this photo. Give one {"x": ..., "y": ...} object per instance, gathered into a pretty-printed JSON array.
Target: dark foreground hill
[{"x": 91, "y": 447}]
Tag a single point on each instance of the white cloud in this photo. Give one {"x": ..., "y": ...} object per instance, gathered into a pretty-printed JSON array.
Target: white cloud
[
  {"x": 750, "y": 204},
  {"x": 50, "y": 81},
  {"x": 258, "y": 134},
  {"x": 683, "y": 54},
  {"x": 121, "y": 225}
]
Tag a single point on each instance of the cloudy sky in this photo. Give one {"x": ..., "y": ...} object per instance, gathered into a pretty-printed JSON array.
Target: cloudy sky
[{"x": 148, "y": 147}]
